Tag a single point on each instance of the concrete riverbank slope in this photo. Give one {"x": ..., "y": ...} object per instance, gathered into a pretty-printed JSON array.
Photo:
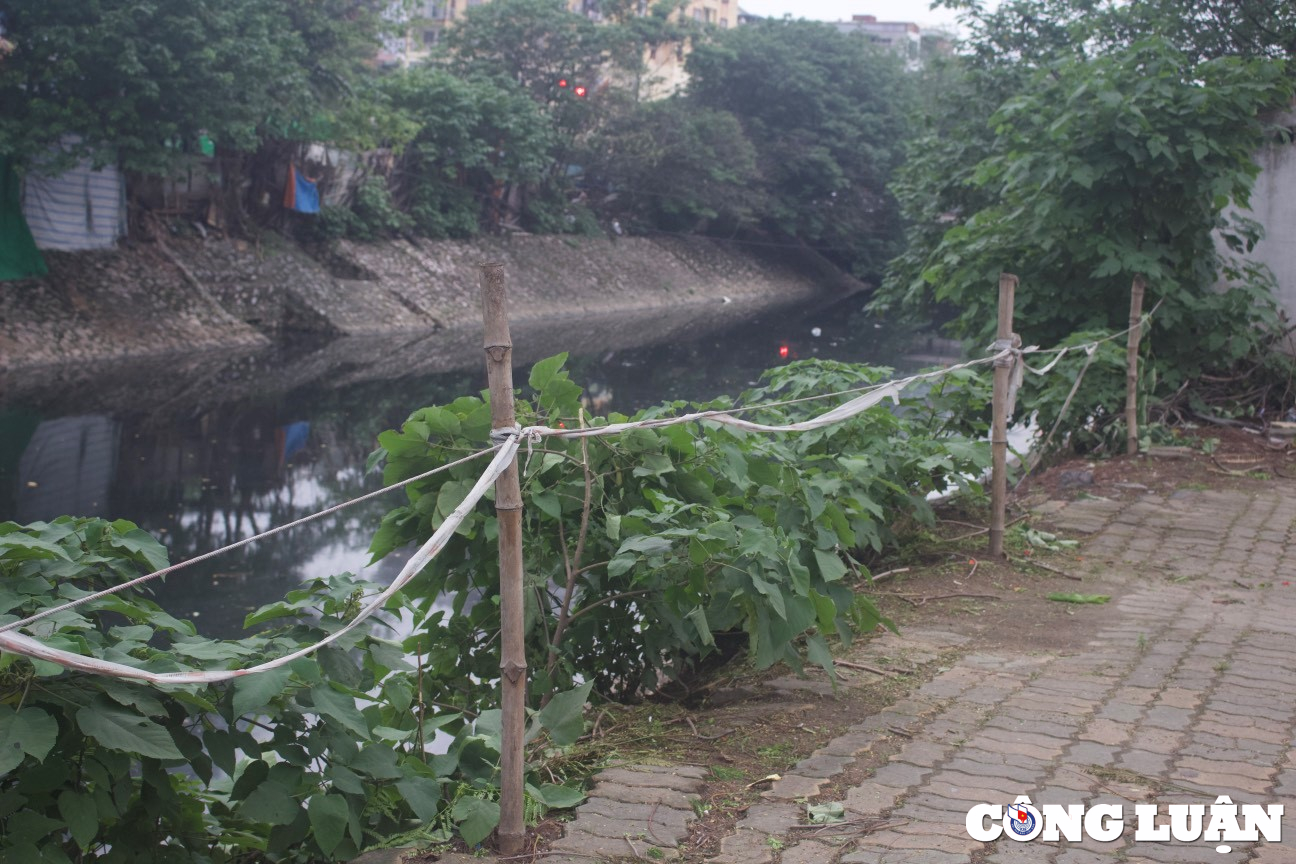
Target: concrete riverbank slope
[{"x": 187, "y": 294}]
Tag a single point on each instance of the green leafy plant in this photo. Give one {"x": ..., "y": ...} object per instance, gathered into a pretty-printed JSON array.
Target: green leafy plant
[
  {"x": 314, "y": 761},
  {"x": 1109, "y": 154},
  {"x": 647, "y": 551}
]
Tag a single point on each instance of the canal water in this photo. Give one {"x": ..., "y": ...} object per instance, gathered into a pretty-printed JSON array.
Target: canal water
[{"x": 205, "y": 450}]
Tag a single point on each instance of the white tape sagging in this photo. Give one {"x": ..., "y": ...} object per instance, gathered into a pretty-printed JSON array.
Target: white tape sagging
[
  {"x": 29, "y": 647},
  {"x": 509, "y": 441}
]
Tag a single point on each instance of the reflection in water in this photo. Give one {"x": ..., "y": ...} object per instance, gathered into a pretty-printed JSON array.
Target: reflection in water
[
  {"x": 67, "y": 467},
  {"x": 214, "y": 452}
]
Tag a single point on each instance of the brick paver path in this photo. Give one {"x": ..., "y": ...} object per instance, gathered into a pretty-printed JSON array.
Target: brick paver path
[{"x": 1186, "y": 691}]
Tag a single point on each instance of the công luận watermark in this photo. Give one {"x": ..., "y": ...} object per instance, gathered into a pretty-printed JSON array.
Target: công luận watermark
[{"x": 1220, "y": 822}]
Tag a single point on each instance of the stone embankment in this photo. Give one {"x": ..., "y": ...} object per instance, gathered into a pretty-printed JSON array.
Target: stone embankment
[{"x": 188, "y": 294}]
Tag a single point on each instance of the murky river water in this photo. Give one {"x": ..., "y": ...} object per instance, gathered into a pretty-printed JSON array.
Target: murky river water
[{"x": 208, "y": 449}]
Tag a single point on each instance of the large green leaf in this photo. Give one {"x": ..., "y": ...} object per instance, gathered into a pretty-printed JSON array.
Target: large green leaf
[
  {"x": 220, "y": 746},
  {"x": 340, "y": 707},
  {"x": 564, "y": 716},
  {"x": 141, "y": 543},
  {"x": 477, "y": 818},
  {"x": 422, "y": 794},
  {"x": 559, "y": 797},
  {"x": 253, "y": 692},
  {"x": 271, "y": 803},
  {"x": 29, "y": 732},
  {"x": 817, "y": 651},
  {"x": 118, "y": 728},
  {"x": 21, "y": 547},
  {"x": 830, "y": 565},
  {"x": 81, "y": 815},
  {"x": 328, "y": 819},
  {"x": 544, "y": 370},
  {"x": 378, "y": 761}
]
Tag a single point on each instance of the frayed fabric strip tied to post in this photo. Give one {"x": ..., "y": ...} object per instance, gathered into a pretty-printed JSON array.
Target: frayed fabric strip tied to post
[{"x": 1013, "y": 359}]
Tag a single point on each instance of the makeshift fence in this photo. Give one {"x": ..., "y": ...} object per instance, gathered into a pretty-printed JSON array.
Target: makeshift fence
[{"x": 1006, "y": 355}]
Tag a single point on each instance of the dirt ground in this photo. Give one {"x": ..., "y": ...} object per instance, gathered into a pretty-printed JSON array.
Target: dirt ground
[{"x": 745, "y": 726}]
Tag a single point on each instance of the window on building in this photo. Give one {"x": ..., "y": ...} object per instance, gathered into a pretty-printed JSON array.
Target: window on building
[
  {"x": 697, "y": 14},
  {"x": 430, "y": 37},
  {"x": 724, "y": 23}
]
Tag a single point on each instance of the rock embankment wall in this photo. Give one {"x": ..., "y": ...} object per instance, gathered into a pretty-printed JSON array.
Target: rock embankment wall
[{"x": 186, "y": 294}]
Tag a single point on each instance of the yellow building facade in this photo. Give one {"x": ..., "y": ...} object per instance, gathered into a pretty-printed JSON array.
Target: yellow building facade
[{"x": 417, "y": 30}]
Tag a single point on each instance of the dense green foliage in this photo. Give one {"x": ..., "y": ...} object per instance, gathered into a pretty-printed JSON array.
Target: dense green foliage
[
  {"x": 644, "y": 549},
  {"x": 677, "y": 166},
  {"x": 137, "y": 82},
  {"x": 645, "y": 553},
  {"x": 791, "y": 130},
  {"x": 312, "y": 762},
  {"x": 1063, "y": 153},
  {"x": 825, "y": 114}
]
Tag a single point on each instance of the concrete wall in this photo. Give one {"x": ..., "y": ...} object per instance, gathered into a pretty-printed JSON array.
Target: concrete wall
[
  {"x": 184, "y": 296},
  {"x": 1273, "y": 205}
]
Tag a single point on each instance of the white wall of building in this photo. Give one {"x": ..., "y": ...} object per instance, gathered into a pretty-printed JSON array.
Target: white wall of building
[{"x": 1273, "y": 205}]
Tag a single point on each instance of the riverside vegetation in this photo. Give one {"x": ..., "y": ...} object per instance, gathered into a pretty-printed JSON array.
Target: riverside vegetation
[
  {"x": 646, "y": 553},
  {"x": 1080, "y": 154}
]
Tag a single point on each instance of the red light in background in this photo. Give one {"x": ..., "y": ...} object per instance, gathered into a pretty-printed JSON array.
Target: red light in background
[
  {"x": 783, "y": 351},
  {"x": 579, "y": 91},
  {"x": 562, "y": 82}
]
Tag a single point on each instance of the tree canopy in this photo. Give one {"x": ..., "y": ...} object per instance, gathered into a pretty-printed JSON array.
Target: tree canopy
[
  {"x": 135, "y": 81},
  {"x": 826, "y": 114},
  {"x": 1079, "y": 156}
]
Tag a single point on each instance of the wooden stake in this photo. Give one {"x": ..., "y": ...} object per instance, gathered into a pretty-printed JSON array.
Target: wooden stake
[
  {"x": 999, "y": 419},
  {"x": 1131, "y": 365},
  {"x": 508, "y": 511}
]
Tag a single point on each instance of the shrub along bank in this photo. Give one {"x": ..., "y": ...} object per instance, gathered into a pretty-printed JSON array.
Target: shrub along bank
[{"x": 645, "y": 553}]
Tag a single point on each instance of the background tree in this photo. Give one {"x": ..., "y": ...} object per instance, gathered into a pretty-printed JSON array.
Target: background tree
[
  {"x": 825, "y": 113},
  {"x": 534, "y": 43},
  {"x": 1078, "y": 159},
  {"x": 475, "y": 135},
  {"x": 134, "y": 81},
  {"x": 677, "y": 167}
]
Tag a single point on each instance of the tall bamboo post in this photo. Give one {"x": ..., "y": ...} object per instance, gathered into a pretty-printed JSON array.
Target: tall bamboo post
[
  {"x": 508, "y": 511},
  {"x": 1131, "y": 365},
  {"x": 1003, "y": 368}
]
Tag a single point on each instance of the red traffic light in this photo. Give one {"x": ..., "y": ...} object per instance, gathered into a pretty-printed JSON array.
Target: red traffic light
[
  {"x": 562, "y": 82},
  {"x": 783, "y": 351},
  {"x": 579, "y": 91}
]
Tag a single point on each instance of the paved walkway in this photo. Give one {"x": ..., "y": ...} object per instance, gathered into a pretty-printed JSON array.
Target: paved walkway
[{"x": 1186, "y": 692}]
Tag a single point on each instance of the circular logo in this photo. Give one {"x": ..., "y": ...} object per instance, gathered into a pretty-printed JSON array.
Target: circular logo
[{"x": 1020, "y": 820}]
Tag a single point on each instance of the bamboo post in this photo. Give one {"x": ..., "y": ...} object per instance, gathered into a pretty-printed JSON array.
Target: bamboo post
[
  {"x": 1131, "y": 365},
  {"x": 1003, "y": 368},
  {"x": 508, "y": 511}
]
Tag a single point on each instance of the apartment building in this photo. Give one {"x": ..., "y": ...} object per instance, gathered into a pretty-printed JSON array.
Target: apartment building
[{"x": 415, "y": 31}]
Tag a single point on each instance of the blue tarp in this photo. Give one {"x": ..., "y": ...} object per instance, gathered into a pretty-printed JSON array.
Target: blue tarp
[{"x": 301, "y": 194}]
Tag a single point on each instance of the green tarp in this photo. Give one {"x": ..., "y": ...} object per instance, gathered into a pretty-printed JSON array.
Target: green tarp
[{"x": 19, "y": 257}]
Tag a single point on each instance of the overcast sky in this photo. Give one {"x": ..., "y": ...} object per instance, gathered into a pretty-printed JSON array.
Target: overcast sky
[{"x": 841, "y": 10}]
